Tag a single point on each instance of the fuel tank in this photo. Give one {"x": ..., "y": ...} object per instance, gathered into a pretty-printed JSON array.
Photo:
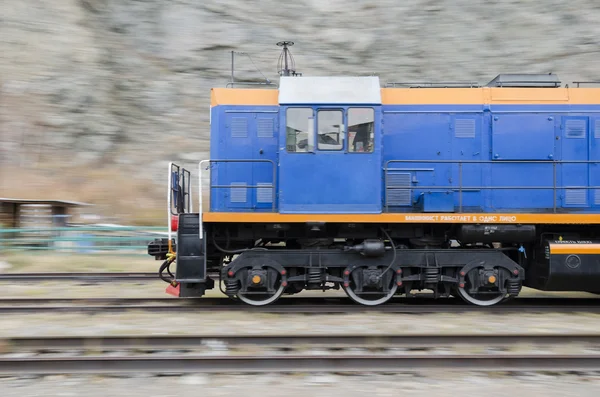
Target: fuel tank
[
  {"x": 566, "y": 265},
  {"x": 496, "y": 233}
]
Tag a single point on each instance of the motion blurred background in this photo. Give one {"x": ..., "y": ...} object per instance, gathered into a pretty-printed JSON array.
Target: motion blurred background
[{"x": 98, "y": 95}]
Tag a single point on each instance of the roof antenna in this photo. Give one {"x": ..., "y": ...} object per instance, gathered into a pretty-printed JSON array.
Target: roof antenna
[{"x": 286, "y": 65}]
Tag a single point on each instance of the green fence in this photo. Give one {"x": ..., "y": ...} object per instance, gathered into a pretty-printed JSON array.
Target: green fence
[{"x": 80, "y": 239}]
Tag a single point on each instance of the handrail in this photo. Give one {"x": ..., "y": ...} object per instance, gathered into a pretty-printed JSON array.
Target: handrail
[
  {"x": 442, "y": 84},
  {"x": 169, "y": 212},
  {"x": 515, "y": 84},
  {"x": 200, "y": 198},
  {"x": 586, "y": 82},
  {"x": 211, "y": 186},
  {"x": 183, "y": 185},
  {"x": 462, "y": 188},
  {"x": 230, "y": 84}
]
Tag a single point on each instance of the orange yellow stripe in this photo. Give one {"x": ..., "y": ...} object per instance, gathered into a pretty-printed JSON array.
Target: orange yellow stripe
[
  {"x": 432, "y": 96},
  {"x": 244, "y": 96},
  {"x": 507, "y": 218},
  {"x": 491, "y": 96},
  {"x": 575, "y": 249}
]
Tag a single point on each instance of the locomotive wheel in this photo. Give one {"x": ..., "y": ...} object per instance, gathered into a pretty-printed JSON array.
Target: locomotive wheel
[
  {"x": 485, "y": 297},
  {"x": 359, "y": 290},
  {"x": 261, "y": 299},
  {"x": 481, "y": 299},
  {"x": 263, "y": 295}
]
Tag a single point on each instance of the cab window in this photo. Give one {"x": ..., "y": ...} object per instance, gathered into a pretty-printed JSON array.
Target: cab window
[
  {"x": 299, "y": 130},
  {"x": 361, "y": 131},
  {"x": 330, "y": 130}
]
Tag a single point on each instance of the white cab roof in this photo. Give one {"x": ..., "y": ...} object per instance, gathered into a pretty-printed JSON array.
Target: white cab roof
[{"x": 329, "y": 90}]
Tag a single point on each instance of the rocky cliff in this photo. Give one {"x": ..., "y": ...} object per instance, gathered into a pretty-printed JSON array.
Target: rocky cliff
[{"x": 97, "y": 95}]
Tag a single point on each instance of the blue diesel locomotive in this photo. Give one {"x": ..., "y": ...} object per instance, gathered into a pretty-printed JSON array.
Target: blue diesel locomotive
[{"x": 335, "y": 182}]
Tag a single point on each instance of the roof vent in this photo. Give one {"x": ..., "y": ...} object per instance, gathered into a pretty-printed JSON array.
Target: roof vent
[{"x": 525, "y": 81}]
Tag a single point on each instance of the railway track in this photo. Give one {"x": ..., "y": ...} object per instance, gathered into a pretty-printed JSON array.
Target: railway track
[
  {"x": 87, "y": 277},
  {"x": 291, "y": 305},
  {"x": 297, "y": 363},
  {"x": 388, "y": 359},
  {"x": 406, "y": 341}
]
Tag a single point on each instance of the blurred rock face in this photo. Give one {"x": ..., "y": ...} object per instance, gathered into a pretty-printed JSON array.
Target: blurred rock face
[{"x": 123, "y": 82}]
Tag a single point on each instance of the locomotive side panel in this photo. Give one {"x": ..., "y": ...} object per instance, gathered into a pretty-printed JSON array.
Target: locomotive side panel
[
  {"x": 508, "y": 155},
  {"x": 244, "y": 151},
  {"x": 522, "y": 145},
  {"x": 436, "y": 138},
  {"x": 573, "y": 135},
  {"x": 594, "y": 138}
]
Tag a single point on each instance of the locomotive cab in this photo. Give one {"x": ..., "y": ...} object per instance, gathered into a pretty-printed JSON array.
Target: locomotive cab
[{"x": 330, "y": 142}]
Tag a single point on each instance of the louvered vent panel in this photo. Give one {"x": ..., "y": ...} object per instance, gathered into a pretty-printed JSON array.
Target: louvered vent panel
[
  {"x": 239, "y": 127},
  {"x": 265, "y": 128},
  {"x": 576, "y": 197},
  {"x": 464, "y": 128},
  {"x": 239, "y": 194},
  {"x": 597, "y": 129},
  {"x": 575, "y": 129},
  {"x": 597, "y": 197},
  {"x": 398, "y": 196},
  {"x": 264, "y": 194}
]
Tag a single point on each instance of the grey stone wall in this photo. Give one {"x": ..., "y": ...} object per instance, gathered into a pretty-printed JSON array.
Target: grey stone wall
[{"x": 127, "y": 82}]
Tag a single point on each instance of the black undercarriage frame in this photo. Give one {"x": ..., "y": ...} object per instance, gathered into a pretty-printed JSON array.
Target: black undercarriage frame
[{"x": 441, "y": 270}]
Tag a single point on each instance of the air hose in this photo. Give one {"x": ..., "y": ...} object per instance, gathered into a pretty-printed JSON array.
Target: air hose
[
  {"x": 394, "y": 251},
  {"x": 166, "y": 266}
]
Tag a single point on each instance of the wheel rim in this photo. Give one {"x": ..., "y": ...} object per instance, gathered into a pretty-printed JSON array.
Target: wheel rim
[
  {"x": 371, "y": 302},
  {"x": 475, "y": 299},
  {"x": 465, "y": 295},
  {"x": 262, "y": 298},
  {"x": 272, "y": 298}
]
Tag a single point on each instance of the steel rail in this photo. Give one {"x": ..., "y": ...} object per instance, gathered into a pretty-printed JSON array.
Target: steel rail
[
  {"x": 396, "y": 309},
  {"x": 296, "y": 363},
  {"x": 291, "y": 305},
  {"x": 88, "y": 276},
  {"x": 162, "y": 342}
]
